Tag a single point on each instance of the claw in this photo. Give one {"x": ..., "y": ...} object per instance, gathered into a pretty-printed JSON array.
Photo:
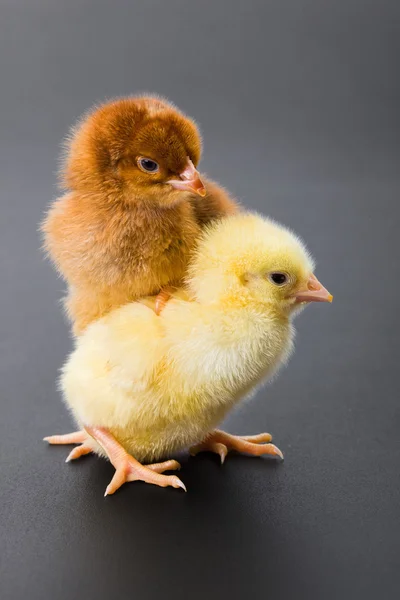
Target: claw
[
  {"x": 222, "y": 450},
  {"x": 179, "y": 483},
  {"x": 275, "y": 451}
]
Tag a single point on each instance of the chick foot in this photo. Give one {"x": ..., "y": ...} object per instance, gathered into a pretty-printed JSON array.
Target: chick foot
[
  {"x": 78, "y": 437},
  {"x": 221, "y": 443},
  {"x": 162, "y": 298},
  {"x": 128, "y": 468}
]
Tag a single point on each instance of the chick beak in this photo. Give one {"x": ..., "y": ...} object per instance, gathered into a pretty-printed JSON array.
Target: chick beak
[
  {"x": 314, "y": 291},
  {"x": 189, "y": 180}
]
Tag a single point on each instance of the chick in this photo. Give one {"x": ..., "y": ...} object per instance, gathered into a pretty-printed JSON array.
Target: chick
[
  {"x": 142, "y": 387},
  {"x": 134, "y": 208}
]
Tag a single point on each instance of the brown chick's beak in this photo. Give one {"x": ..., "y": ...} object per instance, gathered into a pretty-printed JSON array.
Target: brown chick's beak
[
  {"x": 313, "y": 292},
  {"x": 189, "y": 180}
]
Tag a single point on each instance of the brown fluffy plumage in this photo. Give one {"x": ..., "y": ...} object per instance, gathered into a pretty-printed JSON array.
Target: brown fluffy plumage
[{"x": 119, "y": 232}]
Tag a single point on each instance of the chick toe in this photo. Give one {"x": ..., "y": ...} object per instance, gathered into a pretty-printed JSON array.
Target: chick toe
[
  {"x": 162, "y": 298},
  {"x": 259, "y": 438},
  {"x": 168, "y": 465},
  {"x": 221, "y": 442},
  {"x": 77, "y": 437},
  {"x": 79, "y": 451},
  {"x": 210, "y": 446}
]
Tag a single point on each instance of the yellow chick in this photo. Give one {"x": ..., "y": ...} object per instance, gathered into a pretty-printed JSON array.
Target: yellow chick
[{"x": 142, "y": 386}]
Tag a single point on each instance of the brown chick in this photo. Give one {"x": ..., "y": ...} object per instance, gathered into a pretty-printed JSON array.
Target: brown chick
[{"x": 134, "y": 207}]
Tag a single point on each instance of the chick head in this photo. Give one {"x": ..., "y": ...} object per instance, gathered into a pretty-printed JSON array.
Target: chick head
[
  {"x": 248, "y": 259},
  {"x": 139, "y": 147}
]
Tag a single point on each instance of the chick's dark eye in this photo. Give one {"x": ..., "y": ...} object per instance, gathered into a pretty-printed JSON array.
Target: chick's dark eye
[
  {"x": 278, "y": 278},
  {"x": 147, "y": 165}
]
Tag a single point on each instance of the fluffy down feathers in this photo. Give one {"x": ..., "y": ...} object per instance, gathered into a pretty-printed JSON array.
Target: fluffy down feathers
[
  {"x": 120, "y": 233},
  {"x": 160, "y": 384}
]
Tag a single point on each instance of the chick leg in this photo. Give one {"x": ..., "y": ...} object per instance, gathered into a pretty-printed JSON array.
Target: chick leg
[
  {"x": 128, "y": 468},
  {"x": 162, "y": 298},
  {"x": 221, "y": 442},
  {"x": 78, "y": 437}
]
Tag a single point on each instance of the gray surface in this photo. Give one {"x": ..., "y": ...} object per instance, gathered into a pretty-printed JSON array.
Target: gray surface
[{"x": 298, "y": 102}]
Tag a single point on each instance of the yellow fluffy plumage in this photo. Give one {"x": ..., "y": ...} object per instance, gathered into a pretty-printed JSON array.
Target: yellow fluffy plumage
[{"x": 159, "y": 384}]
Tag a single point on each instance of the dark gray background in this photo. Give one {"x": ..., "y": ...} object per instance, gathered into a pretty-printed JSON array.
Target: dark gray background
[{"x": 298, "y": 102}]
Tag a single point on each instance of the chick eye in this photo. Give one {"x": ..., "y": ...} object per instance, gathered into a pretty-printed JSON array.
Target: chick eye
[
  {"x": 147, "y": 165},
  {"x": 278, "y": 278}
]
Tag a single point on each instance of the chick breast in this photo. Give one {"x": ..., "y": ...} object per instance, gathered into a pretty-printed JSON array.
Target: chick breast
[{"x": 160, "y": 384}]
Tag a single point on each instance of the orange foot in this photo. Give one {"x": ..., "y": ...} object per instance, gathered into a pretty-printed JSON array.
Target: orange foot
[
  {"x": 78, "y": 437},
  {"x": 221, "y": 442},
  {"x": 128, "y": 468},
  {"x": 162, "y": 298}
]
